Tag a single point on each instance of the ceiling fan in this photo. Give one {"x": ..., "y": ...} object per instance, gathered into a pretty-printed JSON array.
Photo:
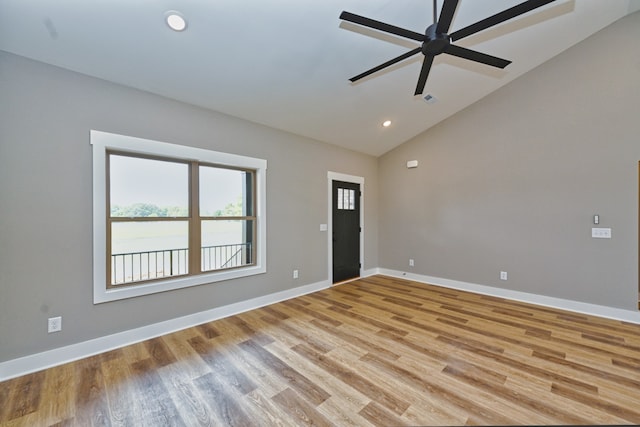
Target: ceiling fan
[{"x": 436, "y": 40}]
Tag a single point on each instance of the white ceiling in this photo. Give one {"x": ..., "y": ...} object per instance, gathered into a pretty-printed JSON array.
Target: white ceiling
[{"x": 286, "y": 63}]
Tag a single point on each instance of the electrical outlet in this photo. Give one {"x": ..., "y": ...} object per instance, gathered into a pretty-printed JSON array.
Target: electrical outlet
[
  {"x": 55, "y": 324},
  {"x": 295, "y": 274},
  {"x": 503, "y": 275},
  {"x": 411, "y": 263}
]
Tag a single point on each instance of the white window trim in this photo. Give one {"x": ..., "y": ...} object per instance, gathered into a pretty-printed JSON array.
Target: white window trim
[{"x": 102, "y": 142}]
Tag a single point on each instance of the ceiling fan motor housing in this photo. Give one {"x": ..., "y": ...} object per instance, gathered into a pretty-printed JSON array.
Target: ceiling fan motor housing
[{"x": 434, "y": 43}]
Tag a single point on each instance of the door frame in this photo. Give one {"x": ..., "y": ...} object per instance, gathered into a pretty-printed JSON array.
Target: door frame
[{"x": 336, "y": 176}]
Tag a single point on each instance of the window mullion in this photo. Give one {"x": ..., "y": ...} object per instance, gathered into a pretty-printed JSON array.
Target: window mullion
[{"x": 195, "y": 234}]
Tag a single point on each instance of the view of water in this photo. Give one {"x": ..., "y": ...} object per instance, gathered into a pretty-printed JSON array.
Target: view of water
[
  {"x": 136, "y": 237},
  {"x": 128, "y": 237}
]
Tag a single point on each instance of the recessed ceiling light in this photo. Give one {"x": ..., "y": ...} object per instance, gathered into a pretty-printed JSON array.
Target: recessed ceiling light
[
  {"x": 175, "y": 20},
  {"x": 386, "y": 123}
]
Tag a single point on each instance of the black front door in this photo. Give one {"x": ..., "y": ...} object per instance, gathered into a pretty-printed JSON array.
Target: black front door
[{"x": 346, "y": 231}]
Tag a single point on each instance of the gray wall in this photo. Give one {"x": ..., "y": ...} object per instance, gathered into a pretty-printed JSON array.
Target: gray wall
[
  {"x": 45, "y": 203},
  {"x": 512, "y": 182}
]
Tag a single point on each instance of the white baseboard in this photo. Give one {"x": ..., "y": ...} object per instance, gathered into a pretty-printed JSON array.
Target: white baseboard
[
  {"x": 563, "y": 304},
  {"x": 36, "y": 362},
  {"x": 370, "y": 272}
]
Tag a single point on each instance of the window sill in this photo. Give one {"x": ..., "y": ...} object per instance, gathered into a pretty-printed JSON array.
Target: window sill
[{"x": 113, "y": 294}]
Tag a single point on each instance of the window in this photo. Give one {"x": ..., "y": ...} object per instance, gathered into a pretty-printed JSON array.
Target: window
[
  {"x": 168, "y": 216},
  {"x": 171, "y": 218},
  {"x": 346, "y": 199}
]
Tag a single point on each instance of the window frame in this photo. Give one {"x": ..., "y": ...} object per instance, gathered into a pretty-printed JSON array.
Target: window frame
[
  {"x": 104, "y": 143},
  {"x": 111, "y": 220},
  {"x": 202, "y": 218}
]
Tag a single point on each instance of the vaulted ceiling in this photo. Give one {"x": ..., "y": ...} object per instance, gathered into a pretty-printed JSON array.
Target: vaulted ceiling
[{"x": 286, "y": 64}]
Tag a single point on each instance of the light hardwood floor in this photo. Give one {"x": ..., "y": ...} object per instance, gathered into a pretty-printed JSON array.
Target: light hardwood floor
[{"x": 376, "y": 351}]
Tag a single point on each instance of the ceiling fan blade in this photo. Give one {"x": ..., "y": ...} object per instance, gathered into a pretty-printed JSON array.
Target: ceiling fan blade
[
  {"x": 377, "y": 25},
  {"x": 476, "y": 56},
  {"x": 446, "y": 16},
  {"x": 499, "y": 18},
  {"x": 424, "y": 73},
  {"x": 386, "y": 64}
]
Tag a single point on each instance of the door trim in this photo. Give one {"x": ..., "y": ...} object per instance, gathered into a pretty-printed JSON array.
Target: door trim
[{"x": 336, "y": 176}]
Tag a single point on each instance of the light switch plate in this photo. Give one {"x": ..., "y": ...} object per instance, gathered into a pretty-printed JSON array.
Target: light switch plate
[{"x": 601, "y": 233}]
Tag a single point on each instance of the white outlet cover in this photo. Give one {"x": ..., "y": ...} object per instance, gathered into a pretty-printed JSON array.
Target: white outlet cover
[{"x": 54, "y": 324}]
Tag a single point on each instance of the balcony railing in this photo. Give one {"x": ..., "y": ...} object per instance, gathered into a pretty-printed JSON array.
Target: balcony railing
[
  {"x": 225, "y": 256},
  {"x": 140, "y": 266}
]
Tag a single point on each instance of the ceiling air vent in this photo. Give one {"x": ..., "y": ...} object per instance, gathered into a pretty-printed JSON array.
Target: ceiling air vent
[{"x": 430, "y": 99}]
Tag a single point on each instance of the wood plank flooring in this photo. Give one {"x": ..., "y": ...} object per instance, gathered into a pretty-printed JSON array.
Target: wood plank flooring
[{"x": 377, "y": 351}]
